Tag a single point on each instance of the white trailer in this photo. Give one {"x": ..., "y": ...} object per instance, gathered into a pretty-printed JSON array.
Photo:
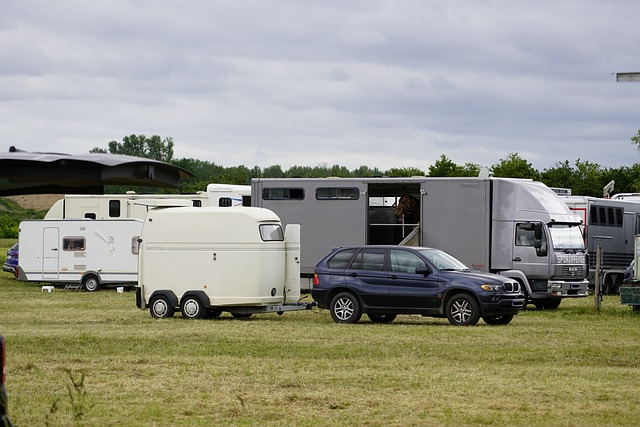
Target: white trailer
[
  {"x": 203, "y": 261},
  {"x": 514, "y": 227},
  {"x": 83, "y": 252}
]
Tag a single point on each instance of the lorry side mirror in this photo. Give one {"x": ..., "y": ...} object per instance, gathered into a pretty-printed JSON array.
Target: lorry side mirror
[{"x": 424, "y": 270}]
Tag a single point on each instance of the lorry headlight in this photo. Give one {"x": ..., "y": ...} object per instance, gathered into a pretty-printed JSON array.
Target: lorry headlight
[{"x": 492, "y": 288}]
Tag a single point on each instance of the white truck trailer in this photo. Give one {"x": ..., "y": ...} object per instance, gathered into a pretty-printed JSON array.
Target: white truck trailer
[
  {"x": 517, "y": 228},
  {"x": 84, "y": 252},
  {"x": 203, "y": 261}
]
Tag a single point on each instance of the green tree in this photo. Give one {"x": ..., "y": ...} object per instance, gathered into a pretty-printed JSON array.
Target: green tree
[
  {"x": 404, "y": 172},
  {"x": 514, "y": 166},
  {"x": 141, "y": 146}
]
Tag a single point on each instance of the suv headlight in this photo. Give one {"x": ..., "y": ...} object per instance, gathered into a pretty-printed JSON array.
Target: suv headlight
[{"x": 492, "y": 288}]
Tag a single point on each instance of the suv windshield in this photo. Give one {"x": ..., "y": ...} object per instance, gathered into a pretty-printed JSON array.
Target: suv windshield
[
  {"x": 566, "y": 236},
  {"x": 442, "y": 260}
]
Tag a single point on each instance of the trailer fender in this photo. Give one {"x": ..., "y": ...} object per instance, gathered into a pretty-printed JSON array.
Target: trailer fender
[
  {"x": 167, "y": 293},
  {"x": 202, "y": 295}
]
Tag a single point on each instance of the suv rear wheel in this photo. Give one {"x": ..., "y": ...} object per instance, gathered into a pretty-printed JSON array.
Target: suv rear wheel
[
  {"x": 463, "y": 310},
  {"x": 345, "y": 308},
  {"x": 498, "y": 320},
  {"x": 381, "y": 318}
]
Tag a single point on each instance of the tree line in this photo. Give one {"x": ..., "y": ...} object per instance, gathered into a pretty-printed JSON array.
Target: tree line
[{"x": 582, "y": 177}]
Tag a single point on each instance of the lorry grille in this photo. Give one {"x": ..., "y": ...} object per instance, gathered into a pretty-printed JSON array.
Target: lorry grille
[
  {"x": 512, "y": 287},
  {"x": 572, "y": 271}
]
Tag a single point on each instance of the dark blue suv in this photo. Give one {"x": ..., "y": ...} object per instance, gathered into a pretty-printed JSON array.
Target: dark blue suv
[{"x": 384, "y": 281}]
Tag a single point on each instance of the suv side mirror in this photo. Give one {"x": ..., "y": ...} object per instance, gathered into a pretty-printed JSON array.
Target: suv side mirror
[{"x": 424, "y": 270}]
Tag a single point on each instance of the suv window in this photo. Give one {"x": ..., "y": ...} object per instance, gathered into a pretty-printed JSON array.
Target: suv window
[
  {"x": 404, "y": 261},
  {"x": 369, "y": 259},
  {"x": 341, "y": 259}
]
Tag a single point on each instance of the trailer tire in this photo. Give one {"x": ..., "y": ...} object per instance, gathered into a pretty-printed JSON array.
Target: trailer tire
[
  {"x": 161, "y": 307},
  {"x": 498, "y": 320},
  {"x": 192, "y": 308},
  {"x": 381, "y": 318},
  {"x": 463, "y": 310},
  {"x": 345, "y": 308},
  {"x": 90, "y": 283}
]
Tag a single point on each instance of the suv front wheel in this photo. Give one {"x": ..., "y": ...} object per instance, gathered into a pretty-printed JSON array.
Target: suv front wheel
[
  {"x": 345, "y": 308},
  {"x": 463, "y": 310}
]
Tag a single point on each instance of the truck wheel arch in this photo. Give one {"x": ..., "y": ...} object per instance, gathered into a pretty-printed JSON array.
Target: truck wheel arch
[{"x": 168, "y": 294}]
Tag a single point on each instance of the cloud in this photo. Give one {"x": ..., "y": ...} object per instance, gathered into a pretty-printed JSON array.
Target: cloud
[{"x": 353, "y": 82}]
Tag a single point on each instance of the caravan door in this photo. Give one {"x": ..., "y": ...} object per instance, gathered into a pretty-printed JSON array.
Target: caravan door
[{"x": 50, "y": 252}]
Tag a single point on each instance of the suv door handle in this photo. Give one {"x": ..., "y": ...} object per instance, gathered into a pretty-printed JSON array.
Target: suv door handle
[
  {"x": 354, "y": 274},
  {"x": 517, "y": 259}
]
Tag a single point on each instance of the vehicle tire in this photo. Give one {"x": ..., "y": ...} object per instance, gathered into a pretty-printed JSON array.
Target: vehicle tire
[
  {"x": 463, "y": 310},
  {"x": 241, "y": 316},
  {"x": 345, "y": 308},
  {"x": 91, "y": 283},
  {"x": 547, "y": 303},
  {"x": 192, "y": 308},
  {"x": 381, "y": 318},
  {"x": 214, "y": 313},
  {"x": 498, "y": 320},
  {"x": 161, "y": 308}
]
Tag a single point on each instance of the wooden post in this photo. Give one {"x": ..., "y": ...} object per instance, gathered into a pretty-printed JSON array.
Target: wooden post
[{"x": 597, "y": 286}]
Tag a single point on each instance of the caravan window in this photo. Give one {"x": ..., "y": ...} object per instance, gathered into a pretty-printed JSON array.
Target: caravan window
[
  {"x": 337, "y": 193},
  {"x": 283, "y": 194},
  {"x": 271, "y": 232},
  {"x": 73, "y": 243},
  {"x": 225, "y": 202},
  {"x": 114, "y": 208}
]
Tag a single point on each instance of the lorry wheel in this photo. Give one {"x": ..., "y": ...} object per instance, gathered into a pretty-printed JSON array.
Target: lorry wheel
[
  {"x": 547, "y": 303},
  {"x": 345, "y": 308},
  {"x": 161, "y": 308},
  {"x": 91, "y": 283},
  {"x": 241, "y": 316},
  {"x": 381, "y": 318},
  {"x": 463, "y": 310},
  {"x": 214, "y": 313},
  {"x": 192, "y": 308},
  {"x": 498, "y": 320}
]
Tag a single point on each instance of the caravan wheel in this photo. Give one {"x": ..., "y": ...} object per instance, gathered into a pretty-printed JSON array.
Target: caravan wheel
[{"x": 91, "y": 283}]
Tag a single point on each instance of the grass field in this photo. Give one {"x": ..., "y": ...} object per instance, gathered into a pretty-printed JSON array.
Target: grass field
[{"x": 94, "y": 359}]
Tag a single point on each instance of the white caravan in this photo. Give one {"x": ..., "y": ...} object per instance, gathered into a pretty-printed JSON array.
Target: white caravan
[
  {"x": 203, "y": 261},
  {"x": 134, "y": 205},
  {"x": 83, "y": 252}
]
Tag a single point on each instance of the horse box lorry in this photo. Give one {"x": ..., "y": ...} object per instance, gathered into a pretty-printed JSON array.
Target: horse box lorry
[
  {"x": 203, "y": 261},
  {"x": 515, "y": 227},
  {"x": 84, "y": 252}
]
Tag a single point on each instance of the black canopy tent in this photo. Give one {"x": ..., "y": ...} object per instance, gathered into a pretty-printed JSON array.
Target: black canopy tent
[{"x": 23, "y": 172}]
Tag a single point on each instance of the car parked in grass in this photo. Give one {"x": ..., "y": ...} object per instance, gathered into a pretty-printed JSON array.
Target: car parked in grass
[
  {"x": 11, "y": 263},
  {"x": 385, "y": 281}
]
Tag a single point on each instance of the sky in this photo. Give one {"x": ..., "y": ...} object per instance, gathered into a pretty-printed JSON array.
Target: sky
[{"x": 380, "y": 83}]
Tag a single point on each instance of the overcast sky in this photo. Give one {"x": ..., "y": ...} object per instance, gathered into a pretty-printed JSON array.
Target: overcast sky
[{"x": 350, "y": 82}]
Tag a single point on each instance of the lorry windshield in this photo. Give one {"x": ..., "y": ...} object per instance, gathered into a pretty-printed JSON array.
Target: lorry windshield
[{"x": 566, "y": 236}]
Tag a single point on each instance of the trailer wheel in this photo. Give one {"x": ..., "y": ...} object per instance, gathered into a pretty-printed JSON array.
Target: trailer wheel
[
  {"x": 345, "y": 308},
  {"x": 498, "y": 320},
  {"x": 161, "y": 307},
  {"x": 91, "y": 283},
  {"x": 192, "y": 308},
  {"x": 463, "y": 310},
  {"x": 381, "y": 318}
]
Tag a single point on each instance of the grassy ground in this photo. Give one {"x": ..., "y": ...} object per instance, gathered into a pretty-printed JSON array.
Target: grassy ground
[{"x": 94, "y": 359}]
